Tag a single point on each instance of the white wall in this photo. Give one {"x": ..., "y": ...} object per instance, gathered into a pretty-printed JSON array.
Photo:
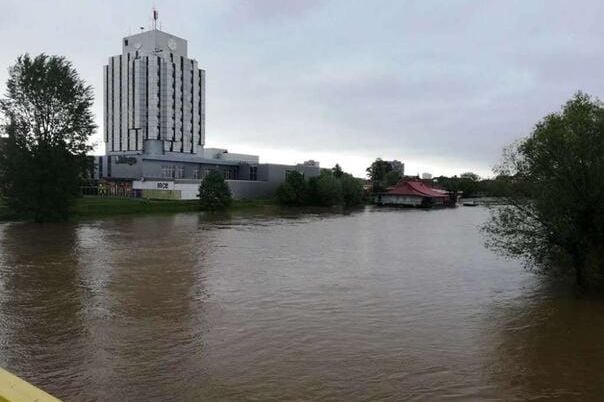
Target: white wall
[
  {"x": 401, "y": 200},
  {"x": 240, "y": 189}
]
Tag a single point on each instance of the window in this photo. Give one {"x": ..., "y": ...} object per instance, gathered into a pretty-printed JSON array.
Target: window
[
  {"x": 167, "y": 172},
  {"x": 125, "y": 42},
  {"x": 254, "y": 173}
]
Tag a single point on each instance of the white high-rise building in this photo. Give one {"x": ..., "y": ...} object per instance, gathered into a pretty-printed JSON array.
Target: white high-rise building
[
  {"x": 154, "y": 97},
  {"x": 154, "y": 104}
]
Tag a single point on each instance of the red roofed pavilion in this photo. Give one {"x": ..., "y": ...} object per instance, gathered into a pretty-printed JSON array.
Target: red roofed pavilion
[{"x": 414, "y": 193}]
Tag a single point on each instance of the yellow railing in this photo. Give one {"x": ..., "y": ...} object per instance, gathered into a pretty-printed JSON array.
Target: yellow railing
[{"x": 14, "y": 389}]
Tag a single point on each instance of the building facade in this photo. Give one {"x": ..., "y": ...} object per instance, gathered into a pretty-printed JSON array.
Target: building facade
[{"x": 154, "y": 97}]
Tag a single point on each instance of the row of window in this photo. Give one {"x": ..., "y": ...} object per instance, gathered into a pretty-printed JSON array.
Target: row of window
[
  {"x": 172, "y": 172},
  {"x": 159, "y": 96},
  {"x": 178, "y": 172}
]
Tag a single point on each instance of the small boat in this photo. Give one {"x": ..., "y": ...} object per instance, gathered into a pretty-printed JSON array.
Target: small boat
[{"x": 470, "y": 204}]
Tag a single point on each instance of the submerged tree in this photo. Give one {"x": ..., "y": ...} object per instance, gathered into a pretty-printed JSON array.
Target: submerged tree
[
  {"x": 48, "y": 120},
  {"x": 554, "y": 217},
  {"x": 214, "y": 192}
]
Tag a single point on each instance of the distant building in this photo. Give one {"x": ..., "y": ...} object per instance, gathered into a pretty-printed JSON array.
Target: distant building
[
  {"x": 311, "y": 163},
  {"x": 154, "y": 127},
  {"x": 426, "y": 176}
]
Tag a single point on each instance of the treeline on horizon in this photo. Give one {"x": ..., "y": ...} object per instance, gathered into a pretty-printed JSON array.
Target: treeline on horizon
[
  {"x": 334, "y": 187},
  {"x": 382, "y": 176}
]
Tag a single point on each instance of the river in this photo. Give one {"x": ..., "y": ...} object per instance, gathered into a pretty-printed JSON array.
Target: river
[{"x": 374, "y": 305}]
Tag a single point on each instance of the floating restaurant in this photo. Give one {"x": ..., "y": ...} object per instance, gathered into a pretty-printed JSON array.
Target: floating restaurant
[{"x": 415, "y": 193}]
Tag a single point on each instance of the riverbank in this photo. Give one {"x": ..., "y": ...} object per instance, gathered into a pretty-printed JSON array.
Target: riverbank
[{"x": 91, "y": 207}]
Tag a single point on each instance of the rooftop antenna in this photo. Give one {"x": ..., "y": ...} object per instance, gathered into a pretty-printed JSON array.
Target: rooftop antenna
[{"x": 155, "y": 16}]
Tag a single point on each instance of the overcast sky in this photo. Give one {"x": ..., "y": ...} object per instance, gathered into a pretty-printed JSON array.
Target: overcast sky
[{"x": 439, "y": 85}]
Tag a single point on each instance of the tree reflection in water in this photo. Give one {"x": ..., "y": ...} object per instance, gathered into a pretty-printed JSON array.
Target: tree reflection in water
[{"x": 549, "y": 346}]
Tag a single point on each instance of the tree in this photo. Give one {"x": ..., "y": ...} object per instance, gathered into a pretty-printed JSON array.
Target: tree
[
  {"x": 325, "y": 190},
  {"x": 337, "y": 171},
  {"x": 554, "y": 188},
  {"x": 48, "y": 119},
  {"x": 294, "y": 190},
  {"x": 470, "y": 176},
  {"x": 391, "y": 178},
  {"x": 352, "y": 190},
  {"x": 377, "y": 173},
  {"x": 214, "y": 192}
]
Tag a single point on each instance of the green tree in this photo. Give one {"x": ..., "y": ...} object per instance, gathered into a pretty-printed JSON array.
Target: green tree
[
  {"x": 325, "y": 190},
  {"x": 294, "y": 191},
  {"x": 48, "y": 120},
  {"x": 555, "y": 214},
  {"x": 328, "y": 189},
  {"x": 377, "y": 173},
  {"x": 337, "y": 171},
  {"x": 214, "y": 192},
  {"x": 470, "y": 176},
  {"x": 391, "y": 178},
  {"x": 352, "y": 190}
]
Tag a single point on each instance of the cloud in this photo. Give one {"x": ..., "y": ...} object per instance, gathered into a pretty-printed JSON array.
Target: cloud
[
  {"x": 272, "y": 11},
  {"x": 442, "y": 86}
]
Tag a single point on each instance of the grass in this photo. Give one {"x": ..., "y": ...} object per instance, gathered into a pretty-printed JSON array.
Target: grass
[
  {"x": 105, "y": 206},
  {"x": 91, "y": 207},
  {"x": 5, "y": 213}
]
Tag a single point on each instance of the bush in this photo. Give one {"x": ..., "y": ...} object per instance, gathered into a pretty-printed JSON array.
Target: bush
[
  {"x": 214, "y": 192},
  {"x": 330, "y": 188},
  {"x": 352, "y": 190},
  {"x": 294, "y": 191},
  {"x": 325, "y": 190}
]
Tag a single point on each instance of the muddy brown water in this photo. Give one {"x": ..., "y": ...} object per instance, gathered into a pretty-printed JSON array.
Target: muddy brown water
[{"x": 375, "y": 305}]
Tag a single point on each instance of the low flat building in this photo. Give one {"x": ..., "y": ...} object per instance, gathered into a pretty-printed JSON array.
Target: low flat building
[{"x": 179, "y": 176}]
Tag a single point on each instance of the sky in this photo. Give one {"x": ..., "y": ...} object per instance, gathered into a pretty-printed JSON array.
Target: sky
[{"x": 441, "y": 85}]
